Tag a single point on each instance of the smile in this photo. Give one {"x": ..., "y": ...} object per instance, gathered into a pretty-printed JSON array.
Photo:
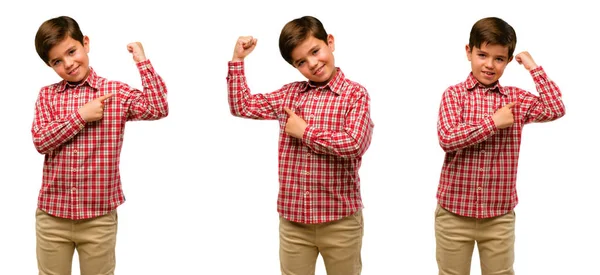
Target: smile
[{"x": 319, "y": 70}]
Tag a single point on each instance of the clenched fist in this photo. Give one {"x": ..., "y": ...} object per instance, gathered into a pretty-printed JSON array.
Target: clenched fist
[
  {"x": 525, "y": 59},
  {"x": 243, "y": 47},
  {"x": 137, "y": 51}
]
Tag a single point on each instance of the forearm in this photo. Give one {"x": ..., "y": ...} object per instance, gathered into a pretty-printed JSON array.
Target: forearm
[
  {"x": 244, "y": 104},
  {"x": 460, "y": 136},
  {"x": 549, "y": 105},
  {"x": 151, "y": 103},
  {"x": 51, "y": 135},
  {"x": 342, "y": 144}
]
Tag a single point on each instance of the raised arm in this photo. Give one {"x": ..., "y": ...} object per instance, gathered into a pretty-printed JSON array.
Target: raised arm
[
  {"x": 242, "y": 103},
  {"x": 548, "y": 106},
  {"x": 151, "y": 103}
]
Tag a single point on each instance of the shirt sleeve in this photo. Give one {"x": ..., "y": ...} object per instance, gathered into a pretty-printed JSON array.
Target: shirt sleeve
[
  {"x": 354, "y": 140},
  {"x": 244, "y": 104},
  {"x": 151, "y": 103},
  {"x": 453, "y": 133},
  {"x": 50, "y": 132},
  {"x": 548, "y": 106}
]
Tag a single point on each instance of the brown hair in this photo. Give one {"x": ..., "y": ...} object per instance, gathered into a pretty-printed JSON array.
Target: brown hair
[
  {"x": 53, "y": 31},
  {"x": 298, "y": 30},
  {"x": 494, "y": 31}
]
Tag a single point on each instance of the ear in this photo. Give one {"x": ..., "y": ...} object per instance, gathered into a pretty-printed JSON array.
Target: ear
[
  {"x": 86, "y": 44},
  {"x": 468, "y": 50},
  {"x": 510, "y": 59},
  {"x": 330, "y": 42}
]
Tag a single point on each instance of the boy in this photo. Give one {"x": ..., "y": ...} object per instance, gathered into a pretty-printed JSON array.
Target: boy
[
  {"x": 325, "y": 128},
  {"x": 78, "y": 126},
  {"x": 479, "y": 128}
]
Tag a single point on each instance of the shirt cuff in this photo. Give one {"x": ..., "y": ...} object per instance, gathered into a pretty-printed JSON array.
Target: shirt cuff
[
  {"x": 144, "y": 65},
  {"x": 77, "y": 120},
  {"x": 309, "y": 135},
  {"x": 538, "y": 72},
  {"x": 236, "y": 67},
  {"x": 489, "y": 126}
]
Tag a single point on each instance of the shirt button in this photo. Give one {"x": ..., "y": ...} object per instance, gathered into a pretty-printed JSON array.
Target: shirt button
[
  {"x": 76, "y": 96},
  {"x": 73, "y": 169},
  {"x": 481, "y": 169},
  {"x": 306, "y": 193},
  {"x": 75, "y": 151},
  {"x": 306, "y": 173},
  {"x": 73, "y": 189},
  {"x": 479, "y": 188},
  {"x": 483, "y": 151}
]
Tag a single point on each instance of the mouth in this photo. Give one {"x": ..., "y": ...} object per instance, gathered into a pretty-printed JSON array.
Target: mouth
[
  {"x": 488, "y": 73},
  {"x": 319, "y": 70},
  {"x": 74, "y": 71}
]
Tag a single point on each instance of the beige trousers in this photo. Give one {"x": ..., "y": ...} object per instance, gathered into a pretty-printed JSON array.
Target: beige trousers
[
  {"x": 339, "y": 243},
  {"x": 94, "y": 239},
  {"x": 456, "y": 237}
]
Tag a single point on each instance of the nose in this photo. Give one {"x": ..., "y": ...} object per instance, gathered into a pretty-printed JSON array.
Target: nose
[
  {"x": 312, "y": 62},
  {"x": 489, "y": 63},
  {"x": 68, "y": 62}
]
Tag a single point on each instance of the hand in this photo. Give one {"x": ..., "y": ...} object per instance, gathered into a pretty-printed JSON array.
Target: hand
[
  {"x": 243, "y": 47},
  {"x": 137, "y": 51},
  {"x": 525, "y": 59},
  {"x": 295, "y": 125},
  {"x": 503, "y": 117},
  {"x": 93, "y": 110}
]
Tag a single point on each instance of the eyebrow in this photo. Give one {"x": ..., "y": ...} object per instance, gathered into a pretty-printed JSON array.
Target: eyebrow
[{"x": 482, "y": 51}]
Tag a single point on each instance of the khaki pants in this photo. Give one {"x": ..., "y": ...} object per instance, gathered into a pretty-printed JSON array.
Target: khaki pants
[
  {"x": 456, "y": 237},
  {"x": 94, "y": 239},
  {"x": 339, "y": 243}
]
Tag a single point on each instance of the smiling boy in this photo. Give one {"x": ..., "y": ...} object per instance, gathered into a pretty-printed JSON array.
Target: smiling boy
[
  {"x": 325, "y": 128},
  {"x": 78, "y": 126}
]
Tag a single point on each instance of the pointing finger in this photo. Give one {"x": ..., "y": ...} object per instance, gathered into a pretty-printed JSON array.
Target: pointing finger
[
  {"x": 105, "y": 97},
  {"x": 289, "y": 112}
]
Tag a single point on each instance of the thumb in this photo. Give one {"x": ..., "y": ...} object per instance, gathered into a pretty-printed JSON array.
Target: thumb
[
  {"x": 105, "y": 97},
  {"x": 510, "y": 105},
  {"x": 288, "y": 111}
]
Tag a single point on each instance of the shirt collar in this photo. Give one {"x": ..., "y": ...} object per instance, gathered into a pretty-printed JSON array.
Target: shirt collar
[
  {"x": 91, "y": 80},
  {"x": 334, "y": 85},
  {"x": 472, "y": 83}
]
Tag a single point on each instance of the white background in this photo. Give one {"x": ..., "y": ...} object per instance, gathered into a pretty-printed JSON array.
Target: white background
[{"x": 201, "y": 185}]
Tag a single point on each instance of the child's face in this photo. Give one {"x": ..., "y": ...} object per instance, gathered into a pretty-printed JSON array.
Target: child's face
[
  {"x": 69, "y": 59},
  {"x": 314, "y": 59},
  {"x": 488, "y": 62}
]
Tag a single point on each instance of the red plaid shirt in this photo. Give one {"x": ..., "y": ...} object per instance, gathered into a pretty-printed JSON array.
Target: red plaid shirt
[
  {"x": 318, "y": 175},
  {"x": 81, "y": 163},
  {"x": 479, "y": 173}
]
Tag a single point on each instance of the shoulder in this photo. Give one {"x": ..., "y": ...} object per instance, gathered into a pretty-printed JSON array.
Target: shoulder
[
  {"x": 513, "y": 91},
  {"x": 457, "y": 89},
  {"x": 352, "y": 88},
  {"x": 51, "y": 89},
  {"x": 295, "y": 86},
  {"x": 112, "y": 86}
]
